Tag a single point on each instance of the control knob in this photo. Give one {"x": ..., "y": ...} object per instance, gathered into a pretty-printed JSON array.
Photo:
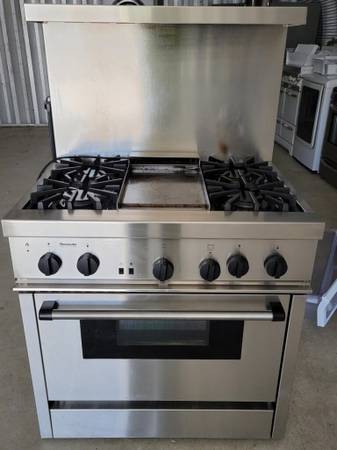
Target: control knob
[
  {"x": 162, "y": 269},
  {"x": 49, "y": 263},
  {"x": 276, "y": 266},
  {"x": 87, "y": 264},
  {"x": 237, "y": 265},
  {"x": 209, "y": 269}
]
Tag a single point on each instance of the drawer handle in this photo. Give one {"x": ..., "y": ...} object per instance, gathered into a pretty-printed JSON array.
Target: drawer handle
[{"x": 50, "y": 310}]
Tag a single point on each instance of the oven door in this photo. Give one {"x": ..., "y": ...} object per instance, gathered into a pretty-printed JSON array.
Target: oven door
[
  {"x": 161, "y": 347},
  {"x": 308, "y": 114}
]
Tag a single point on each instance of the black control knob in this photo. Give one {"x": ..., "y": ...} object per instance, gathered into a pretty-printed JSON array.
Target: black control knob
[
  {"x": 87, "y": 264},
  {"x": 237, "y": 265},
  {"x": 49, "y": 264},
  {"x": 276, "y": 266},
  {"x": 162, "y": 269},
  {"x": 209, "y": 269}
]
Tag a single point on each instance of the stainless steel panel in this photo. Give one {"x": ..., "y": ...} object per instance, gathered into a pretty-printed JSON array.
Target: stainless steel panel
[
  {"x": 244, "y": 288},
  {"x": 35, "y": 362},
  {"x": 162, "y": 223},
  {"x": 207, "y": 423},
  {"x": 252, "y": 378},
  {"x": 153, "y": 190},
  {"x": 169, "y": 14},
  {"x": 135, "y": 89},
  {"x": 139, "y": 254},
  {"x": 112, "y": 314},
  {"x": 24, "y": 85},
  {"x": 288, "y": 366}
]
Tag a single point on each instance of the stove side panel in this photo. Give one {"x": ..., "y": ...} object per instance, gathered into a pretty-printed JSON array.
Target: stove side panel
[
  {"x": 288, "y": 366},
  {"x": 32, "y": 337}
]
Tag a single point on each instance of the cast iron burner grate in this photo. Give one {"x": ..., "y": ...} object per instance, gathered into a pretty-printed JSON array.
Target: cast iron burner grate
[
  {"x": 246, "y": 185},
  {"x": 81, "y": 183}
]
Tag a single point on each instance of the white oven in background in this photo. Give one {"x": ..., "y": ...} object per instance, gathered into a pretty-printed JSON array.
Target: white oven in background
[
  {"x": 312, "y": 119},
  {"x": 290, "y": 95}
]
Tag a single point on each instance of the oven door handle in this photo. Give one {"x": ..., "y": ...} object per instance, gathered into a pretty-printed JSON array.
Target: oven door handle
[{"x": 50, "y": 310}]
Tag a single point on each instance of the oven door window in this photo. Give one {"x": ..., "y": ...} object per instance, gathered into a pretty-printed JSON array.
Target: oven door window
[
  {"x": 307, "y": 114},
  {"x": 161, "y": 339}
]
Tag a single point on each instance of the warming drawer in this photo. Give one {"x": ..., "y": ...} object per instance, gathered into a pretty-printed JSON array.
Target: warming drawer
[{"x": 164, "y": 423}]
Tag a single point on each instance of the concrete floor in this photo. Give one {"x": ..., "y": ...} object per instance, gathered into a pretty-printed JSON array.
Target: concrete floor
[{"x": 312, "y": 421}]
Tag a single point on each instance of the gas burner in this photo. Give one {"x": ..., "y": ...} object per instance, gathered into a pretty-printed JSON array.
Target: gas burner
[
  {"x": 246, "y": 185},
  {"x": 81, "y": 183}
]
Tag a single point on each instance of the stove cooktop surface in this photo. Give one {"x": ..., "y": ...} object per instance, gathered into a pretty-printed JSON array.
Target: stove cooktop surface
[
  {"x": 95, "y": 183},
  {"x": 246, "y": 185},
  {"x": 81, "y": 183}
]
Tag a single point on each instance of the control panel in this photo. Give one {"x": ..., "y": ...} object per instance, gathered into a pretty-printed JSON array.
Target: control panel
[{"x": 162, "y": 261}]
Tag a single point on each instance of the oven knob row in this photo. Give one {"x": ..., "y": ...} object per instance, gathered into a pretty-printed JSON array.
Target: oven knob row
[
  {"x": 237, "y": 265},
  {"x": 162, "y": 269},
  {"x": 49, "y": 263},
  {"x": 276, "y": 266},
  {"x": 87, "y": 264},
  {"x": 209, "y": 269}
]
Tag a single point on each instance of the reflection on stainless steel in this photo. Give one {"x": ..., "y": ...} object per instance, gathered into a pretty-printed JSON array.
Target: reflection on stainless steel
[
  {"x": 166, "y": 89},
  {"x": 69, "y": 314},
  {"x": 186, "y": 379},
  {"x": 150, "y": 190},
  {"x": 289, "y": 365},
  {"x": 167, "y": 15},
  {"x": 71, "y": 422},
  {"x": 36, "y": 364},
  {"x": 162, "y": 223},
  {"x": 299, "y": 288},
  {"x": 185, "y": 254}
]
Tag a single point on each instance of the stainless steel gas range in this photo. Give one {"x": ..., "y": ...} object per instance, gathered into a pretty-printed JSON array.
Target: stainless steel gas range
[
  {"x": 172, "y": 307},
  {"x": 162, "y": 293}
]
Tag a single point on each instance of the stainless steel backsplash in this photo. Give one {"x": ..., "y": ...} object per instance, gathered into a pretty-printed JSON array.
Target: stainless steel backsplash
[{"x": 165, "y": 89}]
